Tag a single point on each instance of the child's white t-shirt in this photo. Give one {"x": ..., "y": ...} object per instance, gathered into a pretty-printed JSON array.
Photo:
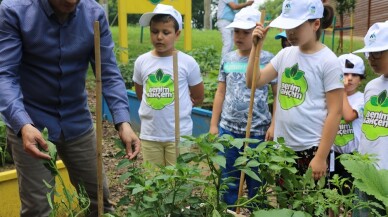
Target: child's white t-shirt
[
  {"x": 374, "y": 137},
  {"x": 303, "y": 80},
  {"x": 349, "y": 134},
  {"x": 157, "y": 106}
]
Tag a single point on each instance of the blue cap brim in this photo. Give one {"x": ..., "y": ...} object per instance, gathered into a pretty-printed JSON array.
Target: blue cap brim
[{"x": 281, "y": 35}]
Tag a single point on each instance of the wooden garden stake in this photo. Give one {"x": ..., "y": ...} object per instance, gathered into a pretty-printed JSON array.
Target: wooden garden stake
[
  {"x": 98, "y": 116},
  {"x": 176, "y": 100},
  {"x": 251, "y": 101}
]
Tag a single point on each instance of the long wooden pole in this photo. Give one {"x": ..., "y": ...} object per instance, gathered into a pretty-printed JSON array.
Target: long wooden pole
[
  {"x": 251, "y": 101},
  {"x": 98, "y": 117},
  {"x": 176, "y": 101}
]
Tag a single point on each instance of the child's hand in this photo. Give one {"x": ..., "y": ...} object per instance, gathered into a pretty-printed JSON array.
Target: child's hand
[
  {"x": 259, "y": 33},
  {"x": 319, "y": 167},
  {"x": 270, "y": 133},
  {"x": 250, "y": 2},
  {"x": 213, "y": 130}
]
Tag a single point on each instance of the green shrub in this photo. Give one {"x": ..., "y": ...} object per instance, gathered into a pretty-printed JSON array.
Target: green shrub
[
  {"x": 194, "y": 186},
  {"x": 5, "y": 156}
]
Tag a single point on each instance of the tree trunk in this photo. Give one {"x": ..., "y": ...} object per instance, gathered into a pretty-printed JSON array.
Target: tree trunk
[
  {"x": 341, "y": 39},
  {"x": 207, "y": 18}
]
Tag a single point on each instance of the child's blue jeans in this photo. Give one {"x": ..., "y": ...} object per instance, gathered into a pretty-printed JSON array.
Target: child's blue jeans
[{"x": 231, "y": 194}]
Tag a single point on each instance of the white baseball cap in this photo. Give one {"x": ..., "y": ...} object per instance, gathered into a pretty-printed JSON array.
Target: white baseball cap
[
  {"x": 376, "y": 39},
  {"x": 161, "y": 9},
  {"x": 351, "y": 63},
  {"x": 246, "y": 18},
  {"x": 296, "y": 12}
]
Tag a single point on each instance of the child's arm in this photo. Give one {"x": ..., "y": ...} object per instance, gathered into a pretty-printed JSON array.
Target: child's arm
[
  {"x": 348, "y": 113},
  {"x": 334, "y": 112},
  {"x": 139, "y": 91},
  {"x": 265, "y": 75},
  {"x": 270, "y": 132},
  {"x": 217, "y": 107},
  {"x": 235, "y": 6},
  {"x": 197, "y": 94}
]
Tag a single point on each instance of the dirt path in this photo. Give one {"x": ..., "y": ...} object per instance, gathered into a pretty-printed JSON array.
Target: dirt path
[{"x": 116, "y": 188}]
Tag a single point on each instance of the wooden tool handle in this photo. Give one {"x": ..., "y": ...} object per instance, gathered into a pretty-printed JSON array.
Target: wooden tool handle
[
  {"x": 251, "y": 101},
  {"x": 97, "y": 57}
]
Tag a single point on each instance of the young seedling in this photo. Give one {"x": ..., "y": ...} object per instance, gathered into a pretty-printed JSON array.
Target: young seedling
[{"x": 72, "y": 203}]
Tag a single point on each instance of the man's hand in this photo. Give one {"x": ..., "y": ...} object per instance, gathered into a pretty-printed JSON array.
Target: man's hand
[
  {"x": 129, "y": 138},
  {"x": 31, "y": 138}
]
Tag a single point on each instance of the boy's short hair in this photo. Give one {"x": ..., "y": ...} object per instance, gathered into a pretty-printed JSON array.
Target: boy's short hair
[
  {"x": 164, "y": 18},
  {"x": 163, "y": 13}
]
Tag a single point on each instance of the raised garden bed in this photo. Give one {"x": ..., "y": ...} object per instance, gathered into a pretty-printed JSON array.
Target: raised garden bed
[
  {"x": 201, "y": 117},
  {"x": 9, "y": 199}
]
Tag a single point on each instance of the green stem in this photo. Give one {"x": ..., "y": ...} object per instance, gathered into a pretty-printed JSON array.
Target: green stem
[
  {"x": 216, "y": 182},
  {"x": 82, "y": 211},
  {"x": 245, "y": 203},
  {"x": 174, "y": 194},
  {"x": 65, "y": 190}
]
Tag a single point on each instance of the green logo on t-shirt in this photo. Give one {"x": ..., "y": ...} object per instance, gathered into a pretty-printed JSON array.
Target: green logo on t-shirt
[
  {"x": 293, "y": 88},
  {"x": 159, "y": 90},
  {"x": 375, "y": 123},
  {"x": 345, "y": 134}
]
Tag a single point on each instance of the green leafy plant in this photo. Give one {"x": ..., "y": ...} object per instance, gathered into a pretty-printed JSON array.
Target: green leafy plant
[
  {"x": 207, "y": 58},
  {"x": 285, "y": 191},
  {"x": 210, "y": 91},
  {"x": 158, "y": 191},
  {"x": 210, "y": 146},
  {"x": 5, "y": 156},
  {"x": 280, "y": 213},
  {"x": 194, "y": 186},
  {"x": 74, "y": 203},
  {"x": 127, "y": 72},
  {"x": 368, "y": 179},
  {"x": 191, "y": 187}
]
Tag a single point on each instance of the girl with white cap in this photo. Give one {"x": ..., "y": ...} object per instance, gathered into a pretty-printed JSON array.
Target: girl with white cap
[
  {"x": 310, "y": 89},
  {"x": 348, "y": 136}
]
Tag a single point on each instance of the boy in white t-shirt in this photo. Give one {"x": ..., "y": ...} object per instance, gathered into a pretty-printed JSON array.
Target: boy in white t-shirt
[
  {"x": 374, "y": 137},
  {"x": 349, "y": 132},
  {"x": 231, "y": 101},
  {"x": 154, "y": 84}
]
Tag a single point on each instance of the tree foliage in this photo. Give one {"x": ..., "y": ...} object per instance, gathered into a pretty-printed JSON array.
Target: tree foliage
[
  {"x": 197, "y": 13},
  {"x": 273, "y": 8},
  {"x": 345, "y": 6}
]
